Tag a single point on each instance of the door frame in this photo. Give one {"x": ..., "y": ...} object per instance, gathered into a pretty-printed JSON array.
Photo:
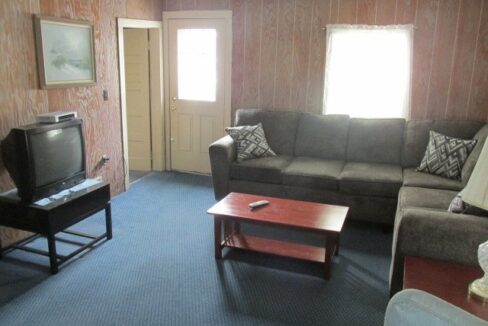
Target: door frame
[
  {"x": 226, "y": 15},
  {"x": 156, "y": 91}
]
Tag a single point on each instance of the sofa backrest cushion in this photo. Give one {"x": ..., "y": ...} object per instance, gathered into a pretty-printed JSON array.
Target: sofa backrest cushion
[
  {"x": 375, "y": 140},
  {"x": 417, "y": 136},
  {"x": 473, "y": 157},
  {"x": 280, "y": 127},
  {"x": 322, "y": 136}
]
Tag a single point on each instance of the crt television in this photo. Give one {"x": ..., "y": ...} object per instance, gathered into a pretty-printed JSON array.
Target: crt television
[{"x": 43, "y": 159}]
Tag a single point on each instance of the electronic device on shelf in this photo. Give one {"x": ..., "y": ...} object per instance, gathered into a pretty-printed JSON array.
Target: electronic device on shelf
[
  {"x": 44, "y": 159},
  {"x": 55, "y": 117}
]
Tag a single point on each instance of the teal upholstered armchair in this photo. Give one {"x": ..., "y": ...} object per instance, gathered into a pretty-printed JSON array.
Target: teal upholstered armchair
[{"x": 418, "y": 308}]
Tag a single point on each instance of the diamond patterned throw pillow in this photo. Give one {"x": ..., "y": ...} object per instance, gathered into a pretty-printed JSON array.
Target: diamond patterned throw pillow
[
  {"x": 445, "y": 156},
  {"x": 250, "y": 142}
]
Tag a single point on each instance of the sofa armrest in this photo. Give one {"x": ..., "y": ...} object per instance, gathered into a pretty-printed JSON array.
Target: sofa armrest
[
  {"x": 415, "y": 307},
  {"x": 441, "y": 235},
  {"x": 435, "y": 234},
  {"x": 222, "y": 153}
]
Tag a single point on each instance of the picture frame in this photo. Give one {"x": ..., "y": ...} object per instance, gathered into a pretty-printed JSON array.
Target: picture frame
[{"x": 65, "y": 52}]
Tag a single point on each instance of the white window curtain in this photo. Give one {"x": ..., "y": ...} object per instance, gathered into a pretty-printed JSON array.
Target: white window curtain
[{"x": 368, "y": 71}]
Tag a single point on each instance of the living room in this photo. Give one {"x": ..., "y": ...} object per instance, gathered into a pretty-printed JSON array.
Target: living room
[{"x": 159, "y": 267}]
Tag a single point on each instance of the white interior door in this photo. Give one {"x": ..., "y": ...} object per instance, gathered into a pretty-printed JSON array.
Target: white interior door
[
  {"x": 199, "y": 88},
  {"x": 137, "y": 96}
]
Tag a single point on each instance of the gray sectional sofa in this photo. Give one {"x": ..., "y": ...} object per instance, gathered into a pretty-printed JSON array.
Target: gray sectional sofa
[{"x": 366, "y": 164}]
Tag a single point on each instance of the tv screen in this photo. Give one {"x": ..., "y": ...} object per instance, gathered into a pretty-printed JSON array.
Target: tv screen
[
  {"x": 44, "y": 159},
  {"x": 56, "y": 154}
]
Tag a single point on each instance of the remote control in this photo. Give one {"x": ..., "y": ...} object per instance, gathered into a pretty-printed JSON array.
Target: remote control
[{"x": 258, "y": 204}]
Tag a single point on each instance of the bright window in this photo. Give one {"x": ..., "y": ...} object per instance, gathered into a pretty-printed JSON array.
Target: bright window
[
  {"x": 368, "y": 71},
  {"x": 197, "y": 64}
]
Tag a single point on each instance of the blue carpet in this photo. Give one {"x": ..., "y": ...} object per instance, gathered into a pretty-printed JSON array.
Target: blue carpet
[{"x": 159, "y": 269}]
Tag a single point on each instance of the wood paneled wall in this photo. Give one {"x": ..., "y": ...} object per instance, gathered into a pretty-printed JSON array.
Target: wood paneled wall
[
  {"x": 21, "y": 99},
  {"x": 279, "y": 50}
]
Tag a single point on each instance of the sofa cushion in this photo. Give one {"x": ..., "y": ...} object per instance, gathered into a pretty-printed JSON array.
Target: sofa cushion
[
  {"x": 414, "y": 178},
  {"x": 372, "y": 179},
  {"x": 375, "y": 140},
  {"x": 257, "y": 188},
  {"x": 445, "y": 156},
  {"x": 280, "y": 127},
  {"x": 264, "y": 169},
  {"x": 250, "y": 142},
  {"x": 323, "y": 136},
  {"x": 417, "y": 136},
  {"x": 425, "y": 198},
  {"x": 313, "y": 173}
]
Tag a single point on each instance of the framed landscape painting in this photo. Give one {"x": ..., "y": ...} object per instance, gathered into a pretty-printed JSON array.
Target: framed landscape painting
[{"x": 65, "y": 52}]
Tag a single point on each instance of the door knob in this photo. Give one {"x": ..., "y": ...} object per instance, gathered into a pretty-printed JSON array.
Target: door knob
[
  {"x": 173, "y": 108},
  {"x": 172, "y": 139},
  {"x": 174, "y": 99}
]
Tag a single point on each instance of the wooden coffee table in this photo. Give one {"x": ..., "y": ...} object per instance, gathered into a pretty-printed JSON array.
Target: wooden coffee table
[
  {"x": 448, "y": 281},
  {"x": 314, "y": 217}
]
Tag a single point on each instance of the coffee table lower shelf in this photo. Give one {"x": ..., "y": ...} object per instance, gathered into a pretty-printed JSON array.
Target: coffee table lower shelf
[{"x": 276, "y": 247}]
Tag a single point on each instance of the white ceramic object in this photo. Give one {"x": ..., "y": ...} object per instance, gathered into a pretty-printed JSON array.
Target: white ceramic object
[{"x": 479, "y": 288}]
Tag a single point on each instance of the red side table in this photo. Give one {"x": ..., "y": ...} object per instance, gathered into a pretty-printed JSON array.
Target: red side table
[{"x": 448, "y": 281}]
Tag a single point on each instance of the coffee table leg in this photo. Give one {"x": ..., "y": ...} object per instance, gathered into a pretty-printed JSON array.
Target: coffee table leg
[
  {"x": 51, "y": 244},
  {"x": 108, "y": 221},
  {"x": 330, "y": 242},
  {"x": 337, "y": 246},
  {"x": 218, "y": 237}
]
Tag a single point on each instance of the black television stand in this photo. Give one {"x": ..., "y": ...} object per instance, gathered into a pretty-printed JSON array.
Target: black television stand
[{"x": 56, "y": 217}]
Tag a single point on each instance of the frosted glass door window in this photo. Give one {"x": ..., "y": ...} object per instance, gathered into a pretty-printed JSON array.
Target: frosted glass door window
[{"x": 197, "y": 64}]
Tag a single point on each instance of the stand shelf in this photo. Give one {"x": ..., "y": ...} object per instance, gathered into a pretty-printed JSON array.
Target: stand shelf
[{"x": 56, "y": 217}]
